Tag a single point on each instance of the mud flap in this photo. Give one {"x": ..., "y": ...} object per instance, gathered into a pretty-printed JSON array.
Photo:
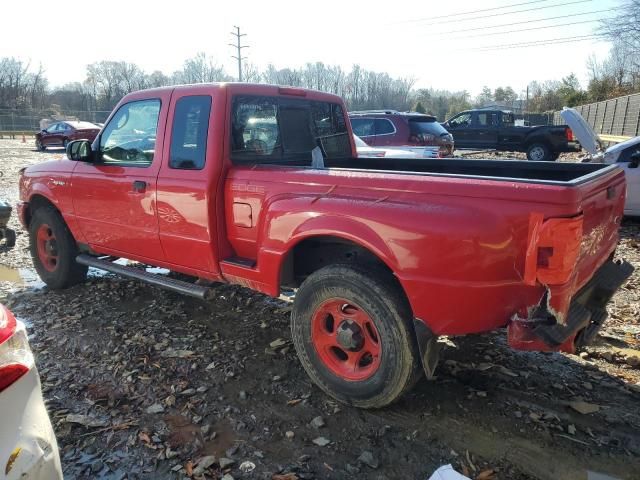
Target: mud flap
[{"x": 428, "y": 346}]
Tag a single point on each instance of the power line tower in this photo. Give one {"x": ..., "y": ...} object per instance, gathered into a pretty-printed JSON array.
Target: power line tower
[{"x": 238, "y": 45}]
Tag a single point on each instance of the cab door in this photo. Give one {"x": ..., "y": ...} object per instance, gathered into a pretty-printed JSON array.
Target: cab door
[
  {"x": 459, "y": 126},
  {"x": 115, "y": 196},
  {"x": 188, "y": 186},
  {"x": 483, "y": 132}
]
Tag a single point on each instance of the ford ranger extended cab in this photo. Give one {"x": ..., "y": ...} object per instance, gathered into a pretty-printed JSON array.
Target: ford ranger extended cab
[
  {"x": 496, "y": 130},
  {"x": 261, "y": 186}
]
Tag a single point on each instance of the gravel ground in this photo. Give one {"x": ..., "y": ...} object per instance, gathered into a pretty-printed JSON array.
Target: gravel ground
[{"x": 146, "y": 384}]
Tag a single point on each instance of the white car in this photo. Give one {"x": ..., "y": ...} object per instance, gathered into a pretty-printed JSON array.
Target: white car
[
  {"x": 365, "y": 150},
  {"x": 626, "y": 155},
  {"x": 28, "y": 447}
]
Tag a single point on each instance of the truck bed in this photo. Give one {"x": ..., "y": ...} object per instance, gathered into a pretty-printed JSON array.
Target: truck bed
[{"x": 512, "y": 170}]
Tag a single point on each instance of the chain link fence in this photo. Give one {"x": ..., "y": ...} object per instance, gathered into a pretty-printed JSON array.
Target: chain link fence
[
  {"x": 617, "y": 116},
  {"x": 32, "y": 121}
]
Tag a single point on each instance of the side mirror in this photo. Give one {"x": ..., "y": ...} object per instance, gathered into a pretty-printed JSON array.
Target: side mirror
[
  {"x": 634, "y": 160},
  {"x": 80, "y": 151}
]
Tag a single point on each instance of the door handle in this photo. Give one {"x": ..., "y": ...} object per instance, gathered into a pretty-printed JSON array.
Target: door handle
[{"x": 139, "y": 186}]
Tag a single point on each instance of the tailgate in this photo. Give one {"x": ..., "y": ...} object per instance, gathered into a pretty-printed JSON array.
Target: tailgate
[
  {"x": 563, "y": 255},
  {"x": 602, "y": 211}
]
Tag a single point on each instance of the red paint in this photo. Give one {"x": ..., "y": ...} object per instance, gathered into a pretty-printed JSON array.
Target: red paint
[
  {"x": 47, "y": 247},
  {"x": 346, "y": 339},
  {"x": 465, "y": 250},
  {"x": 10, "y": 369}
]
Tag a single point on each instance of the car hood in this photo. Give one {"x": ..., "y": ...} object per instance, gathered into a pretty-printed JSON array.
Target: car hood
[
  {"x": 623, "y": 145},
  {"x": 582, "y": 130},
  {"x": 55, "y": 165}
]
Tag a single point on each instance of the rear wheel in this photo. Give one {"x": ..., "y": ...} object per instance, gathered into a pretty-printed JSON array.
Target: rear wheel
[
  {"x": 65, "y": 142},
  {"x": 539, "y": 152},
  {"x": 352, "y": 332},
  {"x": 53, "y": 250}
]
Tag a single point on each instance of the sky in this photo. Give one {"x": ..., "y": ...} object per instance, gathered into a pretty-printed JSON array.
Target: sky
[{"x": 461, "y": 45}]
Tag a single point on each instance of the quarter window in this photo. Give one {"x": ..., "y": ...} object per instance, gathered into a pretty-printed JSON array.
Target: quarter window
[
  {"x": 383, "y": 126},
  {"x": 189, "y": 132},
  {"x": 129, "y": 139}
]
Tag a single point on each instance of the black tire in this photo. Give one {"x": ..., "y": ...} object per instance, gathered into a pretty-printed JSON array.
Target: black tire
[
  {"x": 377, "y": 293},
  {"x": 65, "y": 142},
  {"x": 66, "y": 271},
  {"x": 539, "y": 152},
  {"x": 40, "y": 146}
]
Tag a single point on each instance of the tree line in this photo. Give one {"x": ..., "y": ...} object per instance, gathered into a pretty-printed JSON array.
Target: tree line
[{"x": 106, "y": 82}]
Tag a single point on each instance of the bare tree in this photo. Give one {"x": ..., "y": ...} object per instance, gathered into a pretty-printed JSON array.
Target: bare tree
[{"x": 201, "y": 69}]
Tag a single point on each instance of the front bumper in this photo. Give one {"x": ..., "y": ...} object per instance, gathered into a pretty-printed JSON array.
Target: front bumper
[{"x": 585, "y": 317}]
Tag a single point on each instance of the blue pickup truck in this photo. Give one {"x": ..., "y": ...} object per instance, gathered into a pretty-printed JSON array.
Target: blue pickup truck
[{"x": 496, "y": 130}]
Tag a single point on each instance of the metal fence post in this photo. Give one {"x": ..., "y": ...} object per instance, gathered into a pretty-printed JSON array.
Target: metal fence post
[{"x": 624, "y": 117}]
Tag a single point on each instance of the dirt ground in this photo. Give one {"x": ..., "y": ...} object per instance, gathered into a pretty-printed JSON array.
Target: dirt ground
[{"x": 145, "y": 384}]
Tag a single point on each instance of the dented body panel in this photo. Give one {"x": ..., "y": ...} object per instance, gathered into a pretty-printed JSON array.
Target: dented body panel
[{"x": 476, "y": 245}]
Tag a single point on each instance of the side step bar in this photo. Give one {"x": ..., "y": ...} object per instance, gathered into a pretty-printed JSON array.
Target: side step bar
[{"x": 186, "y": 288}]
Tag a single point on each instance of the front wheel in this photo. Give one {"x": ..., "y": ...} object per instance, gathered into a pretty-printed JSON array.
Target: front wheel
[
  {"x": 352, "y": 332},
  {"x": 53, "y": 250},
  {"x": 539, "y": 152},
  {"x": 40, "y": 146}
]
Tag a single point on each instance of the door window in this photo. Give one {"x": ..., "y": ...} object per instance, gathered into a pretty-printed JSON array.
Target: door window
[
  {"x": 189, "y": 132},
  {"x": 461, "y": 121},
  {"x": 129, "y": 139},
  {"x": 363, "y": 127},
  {"x": 53, "y": 128}
]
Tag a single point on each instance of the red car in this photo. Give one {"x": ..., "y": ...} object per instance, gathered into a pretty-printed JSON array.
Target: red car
[
  {"x": 60, "y": 133},
  {"x": 261, "y": 186},
  {"x": 404, "y": 130}
]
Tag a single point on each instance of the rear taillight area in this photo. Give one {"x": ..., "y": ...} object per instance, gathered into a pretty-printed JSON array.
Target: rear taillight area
[
  {"x": 569, "y": 134},
  {"x": 16, "y": 358},
  {"x": 421, "y": 139},
  {"x": 553, "y": 249}
]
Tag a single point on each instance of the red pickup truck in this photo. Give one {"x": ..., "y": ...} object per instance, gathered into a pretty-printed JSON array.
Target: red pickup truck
[{"x": 261, "y": 186}]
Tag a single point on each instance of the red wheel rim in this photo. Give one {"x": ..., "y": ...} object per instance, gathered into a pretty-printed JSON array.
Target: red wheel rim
[
  {"x": 346, "y": 339},
  {"x": 47, "y": 247}
]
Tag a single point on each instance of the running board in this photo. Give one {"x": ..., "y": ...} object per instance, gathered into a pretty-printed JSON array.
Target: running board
[{"x": 186, "y": 288}]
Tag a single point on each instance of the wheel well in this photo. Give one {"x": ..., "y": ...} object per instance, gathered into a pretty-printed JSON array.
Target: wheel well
[
  {"x": 36, "y": 202},
  {"x": 536, "y": 141},
  {"x": 314, "y": 253}
]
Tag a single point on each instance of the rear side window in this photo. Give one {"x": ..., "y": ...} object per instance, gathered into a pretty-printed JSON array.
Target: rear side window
[
  {"x": 508, "y": 119},
  {"x": 189, "y": 132},
  {"x": 384, "y": 127},
  {"x": 363, "y": 127},
  {"x": 426, "y": 125},
  {"x": 486, "y": 119},
  {"x": 276, "y": 129}
]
